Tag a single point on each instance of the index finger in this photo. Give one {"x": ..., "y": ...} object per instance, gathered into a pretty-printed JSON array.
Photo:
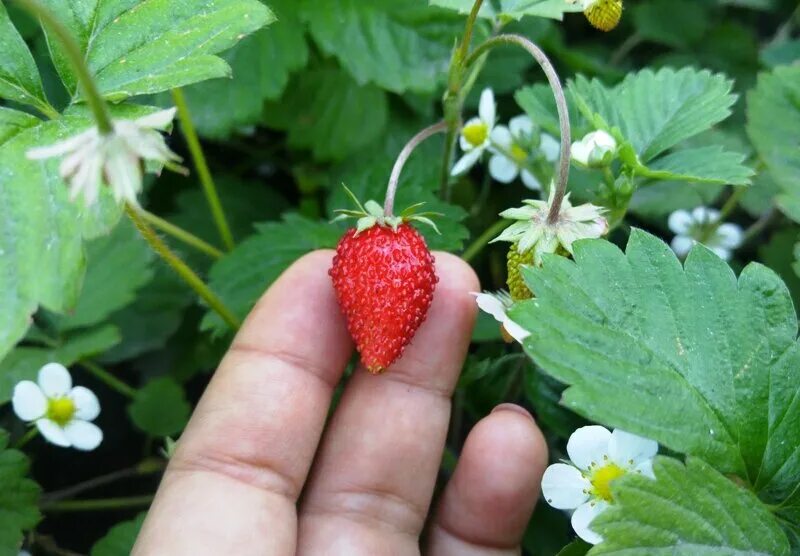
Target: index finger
[{"x": 240, "y": 465}]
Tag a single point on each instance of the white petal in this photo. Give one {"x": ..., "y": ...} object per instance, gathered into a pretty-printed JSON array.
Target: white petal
[
  {"x": 729, "y": 235},
  {"x": 549, "y": 147},
  {"x": 680, "y": 221},
  {"x": 521, "y": 126},
  {"x": 489, "y": 303},
  {"x": 704, "y": 215},
  {"x": 645, "y": 468},
  {"x": 28, "y": 401},
  {"x": 502, "y": 169},
  {"x": 601, "y": 139},
  {"x": 501, "y": 136},
  {"x": 87, "y": 180},
  {"x": 564, "y": 487},
  {"x": 583, "y": 517},
  {"x": 681, "y": 245},
  {"x": 580, "y": 151},
  {"x": 530, "y": 181},
  {"x": 515, "y": 331},
  {"x": 588, "y": 444},
  {"x": 466, "y": 162},
  {"x": 721, "y": 252},
  {"x": 52, "y": 433},
  {"x": 87, "y": 407},
  {"x": 486, "y": 108},
  {"x": 83, "y": 435},
  {"x": 157, "y": 120},
  {"x": 629, "y": 450},
  {"x": 123, "y": 172},
  {"x": 55, "y": 380},
  {"x": 62, "y": 147}
]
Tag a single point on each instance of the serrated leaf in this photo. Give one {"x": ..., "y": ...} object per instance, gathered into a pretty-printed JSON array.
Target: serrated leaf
[
  {"x": 690, "y": 356},
  {"x": 242, "y": 275},
  {"x": 261, "y": 65},
  {"x": 140, "y": 47},
  {"x": 515, "y": 9},
  {"x": 776, "y": 253},
  {"x": 656, "y": 110},
  {"x": 703, "y": 165},
  {"x": 13, "y": 122},
  {"x": 773, "y": 118},
  {"x": 397, "y": 44},
  {"x": 41, "y": 231},
  {"x": 19, "y": 497},
  {"x": 119, "y": 539},
  {"x": 687, "y": 510},
  {"x": 160, "y": 407},
  {"x": 19, "y": 77},
  {"x": 326, "y": 111}
]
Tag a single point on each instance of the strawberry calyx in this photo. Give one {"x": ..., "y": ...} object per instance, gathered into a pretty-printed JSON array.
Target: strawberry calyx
[{"x": 372, "y": 214}]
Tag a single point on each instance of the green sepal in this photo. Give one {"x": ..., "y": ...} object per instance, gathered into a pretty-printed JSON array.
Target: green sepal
[{"x": 371, "y": 213}]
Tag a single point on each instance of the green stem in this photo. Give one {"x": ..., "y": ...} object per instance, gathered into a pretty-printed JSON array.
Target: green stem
[
  {"x": 47, "y": 109},
  {"x": 144, "y": 468},
  {"x": 181, "y": 234},
  {"x": 108, "y": 379},
  {"x": 451, "y": 134},
  {"x": 625, "y": 48},
  {"x": 181, "y": 268},
  {"x": 482, "y": 240},
  {"x": 201, "y": 166},
  {"x": 465, "y": 42},
  {"x": 25, "y": 438},
  {"x": 73, "y": 52},
  {"x": 758, "y": 226},
  {"x": 97, "y": 504},
  {"x": 731, "y": 203},
  {"x": 394, "y": 178}
]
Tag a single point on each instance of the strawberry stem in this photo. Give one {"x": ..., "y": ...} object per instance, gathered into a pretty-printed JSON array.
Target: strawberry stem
[
  {"x": 561, "y": 104},
  {"x": 394, "y": 178}
]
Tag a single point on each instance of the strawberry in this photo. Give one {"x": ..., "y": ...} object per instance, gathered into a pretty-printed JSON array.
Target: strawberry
[
  {"x": 384, "y": 278},
  {"x": 516, "y": 285}
]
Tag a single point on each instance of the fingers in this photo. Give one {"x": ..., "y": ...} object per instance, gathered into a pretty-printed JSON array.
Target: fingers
[
  {"x": 371, "y": 486},
  {"x": 490, "y": 498},
  {"x": 232, "y": 485}
]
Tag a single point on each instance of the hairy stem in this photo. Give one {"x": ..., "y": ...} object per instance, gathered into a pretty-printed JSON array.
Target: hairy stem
[
  {"x": 482, "y": 240},
  {"x": 200, "y": 164},
  {"x": 180, "y": 234},
  {"x": 561, "y": 105},
  {"x": 181, "y": 268},
  {"x": 465, "y": 42},
  {"x": 394, "y": 178},
  {"x": 73, "y": 52},
  {"x": 108, "y": 379},
  {"x": 97, "y": 504}
]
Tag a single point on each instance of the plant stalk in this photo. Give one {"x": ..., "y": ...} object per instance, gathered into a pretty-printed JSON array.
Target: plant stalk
[
  {"x": 181, "y": 268},
  {"x": 97, "y": 504},
  {"x": 200, "y": 164},
  {"x": 180, "y": 234},
  {"x": 25, "y": 438},
  {"x": 108, "y": 379},
  {"x": 482, "y": 240},
  {"x": 144, "y": 468}
]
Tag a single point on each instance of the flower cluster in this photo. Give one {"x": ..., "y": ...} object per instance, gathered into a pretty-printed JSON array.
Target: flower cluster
[
  {"x": 703, "y": 225},
  {"x": 514, "y": 149}
]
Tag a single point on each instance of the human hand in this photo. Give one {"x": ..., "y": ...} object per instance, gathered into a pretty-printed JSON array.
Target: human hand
[{"x": 235, "y": 481}]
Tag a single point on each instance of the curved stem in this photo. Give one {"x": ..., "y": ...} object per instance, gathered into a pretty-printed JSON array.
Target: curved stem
[
  {"x": 135, "y": 471},
  {"x": 179, "y": 233},
  {"x": 73, "y": 52},
  {"x": 25, "y": 438},
  {"x": 108, "y": 379},
  {"x": 394, "y": 178},
  {"x": 201, "y": 166},
  {"x": 181, "y": 268},
  {"x": 758, "y": 226},
  {"x": 473, "y": 15},
  {"x": 97, "y": 504},
  {"x": 561, "y": 105},
  {"x": 482, "y": 240}
]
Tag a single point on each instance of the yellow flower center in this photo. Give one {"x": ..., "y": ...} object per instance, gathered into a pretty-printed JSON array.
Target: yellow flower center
[
  {"x": 518, "y": 153},
  {"x": 476, "y": 133},
  {"x": 60, "y": 410},
  {"x": 602, "y": 477}
]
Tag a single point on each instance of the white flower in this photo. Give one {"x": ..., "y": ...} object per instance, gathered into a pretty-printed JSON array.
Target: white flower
[
  {"x": 118, "y": 157},
  {"x": 514, "y": 150},
  {"x": 702, "y": 226},
  {"x": 475, "y": 134},
  {"x": 534, "y": 230},
  {"x": 496, "y": 304},
  {"x": 61, "y": 412},
  {"x": 595, "y": 150},
  {"x": 597, "y": 458}
]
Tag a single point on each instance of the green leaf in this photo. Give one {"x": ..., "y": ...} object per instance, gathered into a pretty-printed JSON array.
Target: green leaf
[
  {"x": 776, "y": 253},
  {"x": 118, "y": 265},
  {"x": 773, "y": 118},
  {"x": 19, "y": 77},
  {"x": 690, "y": 357},
  {"x": 13, "y": 122},
  {"x": 654, "y": 111},
  {"x": 119, "y": 539},
  {"x": 781, "y": 53},
  {"x": 515, "y": 9},
  {"x": 136, "y": 47},
  {"x": 662, "y": 198},
  {"x": 160, "y": 407},
  {"x": 19, "y": 497},
  {"x": 261, "y": 65},
  {"x": 242, "y": 275},
  {"x": 397, "y": 44},
  {"x": 326, "y": 111},
  {"x": 675, "y": 23},
  {"x": 703, "y": 165},
  {"x": 688, "y": 510}
]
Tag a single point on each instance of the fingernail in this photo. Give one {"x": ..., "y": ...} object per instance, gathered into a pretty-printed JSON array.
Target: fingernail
[{"x": 513, "y": 407}]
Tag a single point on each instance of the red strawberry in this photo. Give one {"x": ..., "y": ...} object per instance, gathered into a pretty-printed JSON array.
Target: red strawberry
[{"x": 384, "y": 279}]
